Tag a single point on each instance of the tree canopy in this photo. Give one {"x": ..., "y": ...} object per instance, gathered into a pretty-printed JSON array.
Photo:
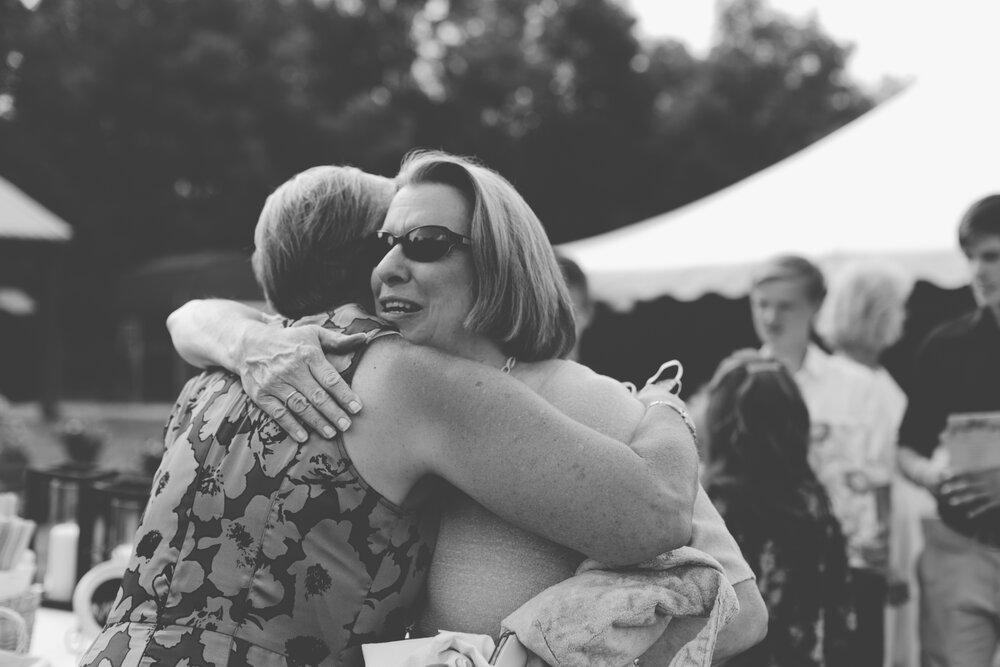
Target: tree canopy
[{"x": 159, "y": 127}]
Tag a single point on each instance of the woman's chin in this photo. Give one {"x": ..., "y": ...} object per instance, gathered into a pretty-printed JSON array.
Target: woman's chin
[
  {"x": 401, "y": 319},
  {"x": 409, "y": 326}
]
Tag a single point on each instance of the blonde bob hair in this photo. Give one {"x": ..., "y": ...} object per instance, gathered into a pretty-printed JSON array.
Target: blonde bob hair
[
  {"x": 308, "y": 238},
  {"x": 522, "y": 302},
  {"x": 865, "y": 306}
]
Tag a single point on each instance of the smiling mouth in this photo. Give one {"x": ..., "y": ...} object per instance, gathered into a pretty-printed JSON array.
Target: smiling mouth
[{"x": 398, "y": 307}]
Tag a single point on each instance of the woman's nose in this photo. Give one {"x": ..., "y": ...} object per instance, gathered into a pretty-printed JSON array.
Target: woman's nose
[{"x": 394, "y": 268}]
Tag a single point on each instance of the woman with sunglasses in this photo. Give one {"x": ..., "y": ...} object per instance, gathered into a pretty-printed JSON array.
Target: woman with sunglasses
[
  {"x": 254, "y": 549},
  {"x": 471, "y": 266}
]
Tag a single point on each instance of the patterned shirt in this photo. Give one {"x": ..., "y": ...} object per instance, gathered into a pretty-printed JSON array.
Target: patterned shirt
[
  {"x": 255, "y": 550},
  {"x": 802, "y": 575}
]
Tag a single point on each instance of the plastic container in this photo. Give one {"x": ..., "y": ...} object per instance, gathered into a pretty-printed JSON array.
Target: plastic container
[{"x": 16, "y": 581}]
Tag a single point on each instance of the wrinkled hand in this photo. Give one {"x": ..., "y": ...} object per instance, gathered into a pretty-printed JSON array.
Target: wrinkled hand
[
  {"x": 973, "y": 492},
  {"x": 286, "y": 373}
]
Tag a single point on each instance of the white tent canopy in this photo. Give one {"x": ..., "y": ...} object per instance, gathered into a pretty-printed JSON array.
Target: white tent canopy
[
  {"x": 893, "y": 183},
  {"x": 21, "y": 217}
]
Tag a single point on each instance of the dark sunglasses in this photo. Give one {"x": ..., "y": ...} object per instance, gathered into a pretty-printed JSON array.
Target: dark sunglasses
[{"x": 421, "y": 244}]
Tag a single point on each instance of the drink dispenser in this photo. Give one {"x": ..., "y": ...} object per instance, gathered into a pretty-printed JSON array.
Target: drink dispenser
[{"x": 113, "y": 510}]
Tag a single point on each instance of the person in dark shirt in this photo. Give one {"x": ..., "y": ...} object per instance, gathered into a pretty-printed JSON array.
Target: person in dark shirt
[{"x": 956, "y": 387}]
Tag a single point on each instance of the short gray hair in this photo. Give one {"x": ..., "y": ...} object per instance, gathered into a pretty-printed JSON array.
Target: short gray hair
[
  {"x": 307, "y": 258},
  {"x": 522, "y": 302},
  {"x": 865, "y": 306}
]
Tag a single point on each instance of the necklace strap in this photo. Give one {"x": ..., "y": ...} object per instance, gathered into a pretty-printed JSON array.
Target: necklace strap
[{"x": 508, "y": 365}]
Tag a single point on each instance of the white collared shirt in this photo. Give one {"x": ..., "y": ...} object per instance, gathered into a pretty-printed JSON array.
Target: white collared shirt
[{"x": 855, "y": 415}]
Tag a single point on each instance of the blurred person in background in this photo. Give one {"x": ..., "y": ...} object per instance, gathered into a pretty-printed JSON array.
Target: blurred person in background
[
  {"x": 759, "y": 477},
  {"x": 851, "y": 450},
  {"x": 484, "y": 567},
  {"x": 579, "y": 292},
  {"x": 862, "y": 316},
  {"x": 957, "y": 372}
]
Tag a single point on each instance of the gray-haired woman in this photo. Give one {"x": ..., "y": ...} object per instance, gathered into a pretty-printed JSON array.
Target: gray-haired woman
[
  {"x": 255, "y": 549},
  {"x": 495, "y": 297}
]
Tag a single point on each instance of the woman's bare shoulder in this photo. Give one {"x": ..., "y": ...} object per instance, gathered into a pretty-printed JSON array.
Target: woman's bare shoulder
[
  {"x": 418, "y": 376},
  {"x": 570, "y": 378},
  {"x": 590, "y": 398},
  {"x": 394, "y": 368}
]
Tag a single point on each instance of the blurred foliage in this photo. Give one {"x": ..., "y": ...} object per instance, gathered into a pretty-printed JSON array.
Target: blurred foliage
[
  {"x": 83, "y": 442},
  {"x": 156, "y": 127}
]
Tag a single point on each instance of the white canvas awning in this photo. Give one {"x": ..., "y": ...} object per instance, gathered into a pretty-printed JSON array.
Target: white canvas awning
[
  {"x": 893, "y": 183},
  {"x": 21, "y": 217}
]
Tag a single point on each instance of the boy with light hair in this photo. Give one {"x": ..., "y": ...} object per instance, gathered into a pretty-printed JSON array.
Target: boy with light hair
[{"x": 851, "y": 451}]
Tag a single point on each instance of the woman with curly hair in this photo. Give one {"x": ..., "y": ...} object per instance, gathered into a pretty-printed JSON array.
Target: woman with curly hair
[{"x": 760, "y": 480}]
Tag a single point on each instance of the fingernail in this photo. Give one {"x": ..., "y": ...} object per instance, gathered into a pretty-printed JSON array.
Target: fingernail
[
  {"x": 329, "y": 432},
  {"x": 354, "y": 407},
  {"x": 344, "y": 423},
  {"x": 300, "y": 436}
]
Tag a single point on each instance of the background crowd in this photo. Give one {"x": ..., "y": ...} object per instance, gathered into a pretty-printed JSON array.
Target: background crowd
[{"x": 828, "y": 474}]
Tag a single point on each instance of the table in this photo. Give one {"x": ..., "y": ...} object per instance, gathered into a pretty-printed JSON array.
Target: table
[{"x": 55, "y": 637}]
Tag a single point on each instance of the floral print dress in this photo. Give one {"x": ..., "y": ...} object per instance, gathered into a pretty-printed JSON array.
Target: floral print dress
[
  {"x": 255, "y": 550},
  {"x": 802, "y": 573}
]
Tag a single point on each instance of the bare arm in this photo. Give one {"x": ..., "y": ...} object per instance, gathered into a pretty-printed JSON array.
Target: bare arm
[
  {"x": 712, "y": 536},
  {"x": 210, "y": 332},
  {"x": 245, "y": 341},
  {"x": 748, "y": 628},
  {"x": 922, "y": 471},
  {"x": 519, "y": 456},
  {"x": 604, "y": 405},
  {"x": 227, "y": 334}
]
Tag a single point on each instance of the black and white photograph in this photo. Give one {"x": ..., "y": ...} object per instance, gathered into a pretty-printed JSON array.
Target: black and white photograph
[{"x": 512, "y": 333}]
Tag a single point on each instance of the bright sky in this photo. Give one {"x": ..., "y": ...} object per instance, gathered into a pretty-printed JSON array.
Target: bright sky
[{"x": 900, "y": 38}]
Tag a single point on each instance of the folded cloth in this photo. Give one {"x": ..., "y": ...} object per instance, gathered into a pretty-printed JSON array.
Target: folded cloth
[
  {"x": 609, "y": 617},
  {"x": 445, "y": 649}
]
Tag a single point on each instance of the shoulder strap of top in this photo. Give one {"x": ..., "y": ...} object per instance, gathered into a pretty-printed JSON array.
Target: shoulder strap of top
[{"x": 352, "y": 319}]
